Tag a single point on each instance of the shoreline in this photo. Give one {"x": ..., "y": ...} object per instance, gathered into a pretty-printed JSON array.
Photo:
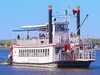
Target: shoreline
[{"x": 4, "y": 48}]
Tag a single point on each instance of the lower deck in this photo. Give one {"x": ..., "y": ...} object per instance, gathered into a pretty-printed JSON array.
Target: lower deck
[{"x": 50, "y": 55}]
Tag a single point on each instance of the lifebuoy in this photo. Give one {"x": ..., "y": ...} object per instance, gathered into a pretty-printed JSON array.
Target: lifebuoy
[
  {"x": 67, "y": 48},
  {"x": 11, "y": 49}
]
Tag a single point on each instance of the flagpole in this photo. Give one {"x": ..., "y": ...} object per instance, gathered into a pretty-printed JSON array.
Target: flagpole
[
  {"x": 69, "y": 16},
  {"x": 64, "y": 16}
]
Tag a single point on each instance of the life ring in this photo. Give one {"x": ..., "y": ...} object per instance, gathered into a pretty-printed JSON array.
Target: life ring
[{"x": 11, "y": 48}]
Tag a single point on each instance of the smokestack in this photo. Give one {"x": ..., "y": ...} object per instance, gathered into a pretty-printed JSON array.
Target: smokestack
[
  {"x": 50, "y": 23},
  {"x": 78, "y": 20}
]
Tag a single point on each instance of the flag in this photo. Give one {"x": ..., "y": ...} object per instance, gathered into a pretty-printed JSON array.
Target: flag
[
  {"x": 75, "y": 11},
  {"x": 66, "y": 12}
]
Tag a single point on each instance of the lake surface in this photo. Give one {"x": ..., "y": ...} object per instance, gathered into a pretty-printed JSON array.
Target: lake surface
[{"x": 5, "y": 69}]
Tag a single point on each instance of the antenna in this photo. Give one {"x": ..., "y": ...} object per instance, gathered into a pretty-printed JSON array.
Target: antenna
[
  {"x": 87, "y": 28},
  {"x": 65, "y": 13}
]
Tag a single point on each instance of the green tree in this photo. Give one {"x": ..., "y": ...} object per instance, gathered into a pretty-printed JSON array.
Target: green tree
[
  {"x": 2, "y": 43},
  {"x": 9, "y": 43}
]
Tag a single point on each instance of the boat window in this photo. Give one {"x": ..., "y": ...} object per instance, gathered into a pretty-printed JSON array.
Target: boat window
[
  {"x": 23, "y": 54},
  {"x": 57, "y": 50},
  {"x": 19, "y": 53},
  {"x": 48, "y": 52},
  {"x": 77, "y": 40},
  {"x": 36, "y": 52},
  {"x": 61, "y": 27},
  {"x": 32, "y": 53},
  {"x": 27, "y": 53},
  {"x": 43, "y": 52}
]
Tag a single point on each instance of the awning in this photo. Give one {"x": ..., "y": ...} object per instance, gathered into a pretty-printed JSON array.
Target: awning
[{"x": 27, "y": 29}]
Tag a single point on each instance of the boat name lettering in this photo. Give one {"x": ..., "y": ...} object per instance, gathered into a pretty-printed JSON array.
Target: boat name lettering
[{"x": 30, "y": 59}]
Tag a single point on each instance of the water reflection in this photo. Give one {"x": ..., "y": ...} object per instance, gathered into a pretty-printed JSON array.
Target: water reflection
[{"x": 21, "y": 70}]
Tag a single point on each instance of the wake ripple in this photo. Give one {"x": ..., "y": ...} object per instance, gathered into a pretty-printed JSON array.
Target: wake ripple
[{"x": 3, "y": 60}]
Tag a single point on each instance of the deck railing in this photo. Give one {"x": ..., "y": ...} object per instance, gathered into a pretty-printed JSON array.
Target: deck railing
[
  {"x": 32, "y": 42},
  {"x": 86, "y": 55},
  {"x": 44, "y": 41}
]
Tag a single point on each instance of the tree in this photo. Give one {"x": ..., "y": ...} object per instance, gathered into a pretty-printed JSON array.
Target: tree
[
  {"x": 2, "y": 43},
  {"x": 7, "y": 43}
]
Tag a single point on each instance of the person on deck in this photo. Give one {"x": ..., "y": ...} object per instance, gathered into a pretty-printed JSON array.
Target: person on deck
[
  {"x": 39, "y": 36},
  {"x": 27, "y": 34},
  {"x": 18, "y": 37},
  {"x": 63, "y": 55},
  {"x": 43, "y": 36},
  {"x": 47, "y": 35},
  {"x": 71, "y": 35}
]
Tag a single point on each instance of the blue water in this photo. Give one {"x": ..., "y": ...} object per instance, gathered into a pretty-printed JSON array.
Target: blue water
[{"x": 5, "y": 69}]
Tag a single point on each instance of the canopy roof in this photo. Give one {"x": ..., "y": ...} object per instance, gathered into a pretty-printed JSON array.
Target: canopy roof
[
  {"x": 34, "y": 26},
  {"x": 38, "y": 27},
  {"x": 20, "y": 30},
  {"x": 31, "y": 28}
]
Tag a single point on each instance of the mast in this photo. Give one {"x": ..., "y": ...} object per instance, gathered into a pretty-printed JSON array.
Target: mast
[
  {"x": 50, "y": 23},
  {"x": 78, "y": 20}
]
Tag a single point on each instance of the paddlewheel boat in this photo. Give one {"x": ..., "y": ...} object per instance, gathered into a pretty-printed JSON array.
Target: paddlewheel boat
[{"x": 50, "y": 45}]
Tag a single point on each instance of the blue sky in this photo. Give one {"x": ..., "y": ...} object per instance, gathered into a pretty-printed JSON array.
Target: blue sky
[{"x": 16, "y": 13}]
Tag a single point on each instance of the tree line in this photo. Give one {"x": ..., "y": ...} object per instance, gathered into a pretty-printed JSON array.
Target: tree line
[
  {"x": 7, "y": 43},
  {"x": 93, "y": 41}
]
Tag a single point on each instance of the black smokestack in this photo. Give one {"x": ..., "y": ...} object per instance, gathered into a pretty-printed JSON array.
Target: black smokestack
[
  {"x": 50, "y": 23},
  {"x": 78, "y": 21}
]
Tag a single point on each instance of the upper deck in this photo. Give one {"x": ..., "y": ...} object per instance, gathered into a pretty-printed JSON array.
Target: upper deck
[
  {"x": 35, "y": 35},
  {"x": 41, "y": 36},
  {"x": 45, "y": 41}
]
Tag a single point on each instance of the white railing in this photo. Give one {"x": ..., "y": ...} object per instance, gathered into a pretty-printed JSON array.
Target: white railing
[
  {"x": 76, "y": 39},
  {"x": 57, "y": 57},
  {"x": 59, "y": 40},
  {"x": 85, "y": 56},
  {"x": 32, "y": 42},
  {"x": 56, "y": 40}
]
